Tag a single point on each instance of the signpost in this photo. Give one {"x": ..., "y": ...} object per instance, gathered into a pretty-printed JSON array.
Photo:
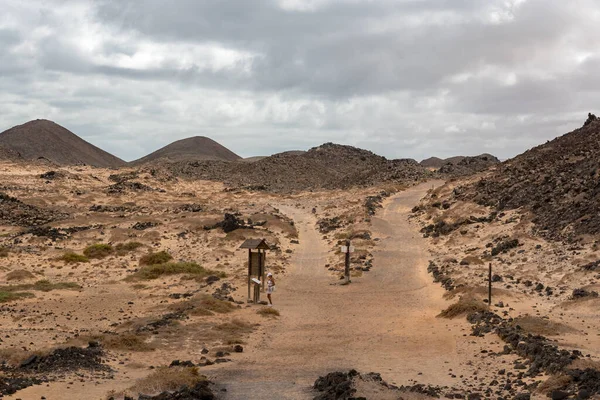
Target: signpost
[
  {"x": 347, "y": 249},
  {"x": 490, "y": 286}
]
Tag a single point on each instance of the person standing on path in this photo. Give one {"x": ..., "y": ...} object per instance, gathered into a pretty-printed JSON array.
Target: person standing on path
[{"x": 270, "y": 287}]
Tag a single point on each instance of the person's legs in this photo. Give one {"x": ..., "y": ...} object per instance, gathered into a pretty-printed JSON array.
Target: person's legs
[{"x": 269, "y": 297}]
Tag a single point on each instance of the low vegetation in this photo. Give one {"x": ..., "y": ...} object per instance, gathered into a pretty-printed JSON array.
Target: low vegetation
[
  {"x": 203, "y": 304},
  {"x": 121, "y": 342},
  {"x": 6, "y": 296},
  {"x": 268, "y": 312},
  {"x": 3, "y": 251},
  {"x": 98, "y": 250},
  {"x": 161, "y": 257},
  {"x": 232, "y": 332},
  {"x": 19, "y": 275},
  {"x": 465, "y": 305},
  {"x": 43, "y": 286},
  {"x": 165, "y": 379},
  {"x": 541, "y": 326},
  {"x": 192, "y": 269},
  {"x": 124, "y": 248},
  {"x": 73, "y": 258}
]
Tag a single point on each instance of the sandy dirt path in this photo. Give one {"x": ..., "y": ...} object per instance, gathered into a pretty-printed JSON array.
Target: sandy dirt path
[{"x": 383, "y": 322}]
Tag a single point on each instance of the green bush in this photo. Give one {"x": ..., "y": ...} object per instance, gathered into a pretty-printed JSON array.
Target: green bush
[
  {"x": 11, "y": 296},
  {"x": 71, "y": 258},
  {"x": 43, "y": 286},
  {"x": 156, "y": 258},
  {"x": 190, "y": 268},
  {"x": 99, "y": 250}
]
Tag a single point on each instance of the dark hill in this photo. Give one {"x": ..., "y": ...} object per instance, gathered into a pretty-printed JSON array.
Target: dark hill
[
  {"x": 558, "y": 181},
  {"x": 460, "y": 165},
  {"x": 330, "y": 166},
  {"x": 46, "y": 139},
  {"x": 191, "y": 149}
]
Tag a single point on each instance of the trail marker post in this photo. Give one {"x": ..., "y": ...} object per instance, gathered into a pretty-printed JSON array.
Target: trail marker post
[
  {"x": 490, "y": 285},
  {"x": 347, "y": 249}
]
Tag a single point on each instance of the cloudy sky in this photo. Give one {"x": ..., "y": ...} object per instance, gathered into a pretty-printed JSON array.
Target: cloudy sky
[{"x": 403, "y": 78}]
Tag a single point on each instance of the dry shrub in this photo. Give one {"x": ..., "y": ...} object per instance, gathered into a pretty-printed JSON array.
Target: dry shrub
[
  {"x": 473, "y": 260},
  {"x": 156, "y": 258},
  {"x": 3, "y": 251},
  {"x": 165, "y": 379},
  {"x": 98, "y": 250},
  {"x": 191, "y": 268},
  {"x": 14, "y": 357},
  {"x": 231, "y": 332},
  {"x": 464, "y": 305},
  {"x": 71, "y": 258},
  {"x": 555, "y": 382},
  {"x": 6, "y": 296},
  {"x": 129, "y": 246},
  {"x": 19, "y": 275},
  {"x": 541, "y": 326},
  {"x": 203, "y": 304},
  {"x": 268, "y": 312},
  {"x": 585, "y": 363},
  {"x": 43, "y": 286},
  {"x": 123, "y": 342}
]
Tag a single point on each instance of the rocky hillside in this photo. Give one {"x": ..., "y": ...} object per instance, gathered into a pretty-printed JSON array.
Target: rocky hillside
[
  {"x": 190, "y": 149},
  {"x": 45, "y": 139},
  {"x": 9, "y": 154},
  {"x": 329, "y": 166},
  {"x": 558, "y": 181}
]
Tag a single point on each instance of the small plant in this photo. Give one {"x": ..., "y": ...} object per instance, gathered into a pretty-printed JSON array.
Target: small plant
[
  {"x": 19, "y": 275},
  {"x": 190, "y": 268},
  {"x": 72, "y": 258},
  {"x": 268, "y": 312},
  {"x": 156, "y": 258},
  {"x": 3, "y": 251},
  {"x": 203, "y": 304},
  {"x": 164, "y": 379},
  {"x": 465, "y": 305},
  {"x": 99, "y": 250},
  {"x": 124, "y": 248}
]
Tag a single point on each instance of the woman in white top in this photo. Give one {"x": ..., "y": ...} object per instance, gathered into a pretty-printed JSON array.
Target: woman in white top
[{"x": 270, "y": 287}]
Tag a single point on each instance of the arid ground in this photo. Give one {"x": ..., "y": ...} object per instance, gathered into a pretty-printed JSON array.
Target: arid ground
[{"x": 139, "y": 279}]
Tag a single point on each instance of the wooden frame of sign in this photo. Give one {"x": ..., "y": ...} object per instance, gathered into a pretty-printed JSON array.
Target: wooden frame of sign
[{"x": 257, "y": 254}]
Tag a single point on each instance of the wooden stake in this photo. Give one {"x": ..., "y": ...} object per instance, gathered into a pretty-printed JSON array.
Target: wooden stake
[
  {"x": 347, "y": 264},
  {"x": 490, "y": 286}
]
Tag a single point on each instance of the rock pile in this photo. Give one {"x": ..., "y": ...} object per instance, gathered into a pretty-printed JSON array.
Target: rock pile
[{"x": 15, "y": 212}]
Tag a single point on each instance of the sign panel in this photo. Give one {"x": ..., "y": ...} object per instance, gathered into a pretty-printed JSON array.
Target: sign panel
[
  {"x": 345, "y": 249},
  {"x": 255, "y": 264}
]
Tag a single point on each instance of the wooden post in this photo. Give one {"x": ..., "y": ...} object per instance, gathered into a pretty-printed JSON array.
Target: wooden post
[
  {"x": 262, "y": 255},
  {"x": 249, "y": 272},
  {"x": 490, "y": 286},
  {"x": 347, "y": 264}
]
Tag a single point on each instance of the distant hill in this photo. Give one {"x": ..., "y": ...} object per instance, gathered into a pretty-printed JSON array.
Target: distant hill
[
  {"x": 329, "y": 166},
  {"x": 190, "y": 149},
  {"x": 285, "y": 153},
  {"x": 45, "y": 139},
  {"x": 460, "y": 165},
  {"x": 557, "y": 181}
]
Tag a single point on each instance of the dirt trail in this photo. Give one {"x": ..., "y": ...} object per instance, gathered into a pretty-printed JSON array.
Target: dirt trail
[{"x": 383, "y": 322}]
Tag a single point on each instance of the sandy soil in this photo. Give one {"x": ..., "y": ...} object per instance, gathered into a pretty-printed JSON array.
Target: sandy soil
[{"x": 384, "y": 321}]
